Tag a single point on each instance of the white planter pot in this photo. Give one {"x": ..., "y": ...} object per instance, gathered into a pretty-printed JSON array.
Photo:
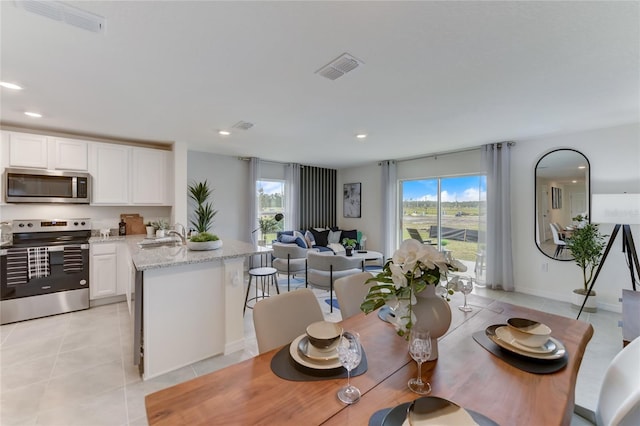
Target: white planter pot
[
  {"x": 205, "y": 245},
  {"x": 578, "y": 298}
]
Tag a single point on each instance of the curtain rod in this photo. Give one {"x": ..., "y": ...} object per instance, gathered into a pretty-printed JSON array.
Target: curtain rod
[{"x": 439, "y": 154}]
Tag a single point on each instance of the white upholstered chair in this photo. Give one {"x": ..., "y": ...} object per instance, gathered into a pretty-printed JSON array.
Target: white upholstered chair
[
  {"x": 280, "y": 319},
  {"x": 619, "y": 398},
  {"x": 351, "y": 291},
  {"x": 324, "y": 268},
  {"x": 560, "y": 244},
  {"x": 290, "y": 259}
]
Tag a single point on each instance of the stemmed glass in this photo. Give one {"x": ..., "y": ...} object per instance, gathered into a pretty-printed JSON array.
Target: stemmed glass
[
  {"x": 420, "y": 350},
  {"x": 465, "y": 285},
  {"x": 349, "y": 354}
]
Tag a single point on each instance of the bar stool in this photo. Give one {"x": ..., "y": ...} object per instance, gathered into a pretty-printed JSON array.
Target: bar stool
[{"x": 264, "y": 274}]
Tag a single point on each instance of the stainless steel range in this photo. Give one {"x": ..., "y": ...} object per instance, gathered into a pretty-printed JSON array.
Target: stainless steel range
[{"x": 45, "y": 271}]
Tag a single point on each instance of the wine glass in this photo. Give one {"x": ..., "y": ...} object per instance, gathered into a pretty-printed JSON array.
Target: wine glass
[
  {"x": 420, "y": 350},
  {"x": 465, "y": 286},
  {"x": 349, "y": 354}
]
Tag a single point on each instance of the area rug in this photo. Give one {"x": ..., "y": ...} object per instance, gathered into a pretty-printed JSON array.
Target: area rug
[{"x": 333, "y": 302}]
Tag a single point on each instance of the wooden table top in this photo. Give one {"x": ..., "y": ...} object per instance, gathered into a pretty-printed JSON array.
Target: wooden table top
[{"x": 249, "y": 393}]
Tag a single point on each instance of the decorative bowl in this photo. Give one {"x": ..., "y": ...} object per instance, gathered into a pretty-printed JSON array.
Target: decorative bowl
[
  {"x": 205, "y": 245},
  {"x": 529, "y": 332},
  {"x": 323, "y": 334}
]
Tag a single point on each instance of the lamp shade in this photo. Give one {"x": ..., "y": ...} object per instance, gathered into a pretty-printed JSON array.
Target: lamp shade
[{"x": 615, "y": 208}]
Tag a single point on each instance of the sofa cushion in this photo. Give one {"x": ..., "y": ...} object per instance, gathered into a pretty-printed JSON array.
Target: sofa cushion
[
  {"x": 300, "y": 239},
  {"x": 281, "y": 233},
  {"x": 287, "y": 239},
  {"x": 353, "y": 234},
  {"x": 321, "y": 237},
  {"x": 334, "y": 237},
  {"x": 311, "y": 241}
]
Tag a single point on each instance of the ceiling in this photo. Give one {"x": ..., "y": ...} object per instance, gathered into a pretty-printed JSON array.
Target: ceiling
[{"x": 436, "y": 77}]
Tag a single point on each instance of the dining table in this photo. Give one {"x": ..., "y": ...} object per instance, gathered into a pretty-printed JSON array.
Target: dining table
[{"x": 465, "y": 373}]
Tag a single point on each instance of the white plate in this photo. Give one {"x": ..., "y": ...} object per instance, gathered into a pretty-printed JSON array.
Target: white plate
[
  {"x": 311, "y": 352},
  {"x": 557, "y": 354},
  {"x": 308, "y": 362},
  {"x": 505, "y": 334},
  {"x": 433, "y": 411}
]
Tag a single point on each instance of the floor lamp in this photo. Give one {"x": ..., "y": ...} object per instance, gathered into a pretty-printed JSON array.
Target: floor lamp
[{"x": 622, "y": 210}]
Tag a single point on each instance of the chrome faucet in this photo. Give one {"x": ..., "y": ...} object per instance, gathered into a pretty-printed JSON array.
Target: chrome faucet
[{"x": 182, "y": 234}]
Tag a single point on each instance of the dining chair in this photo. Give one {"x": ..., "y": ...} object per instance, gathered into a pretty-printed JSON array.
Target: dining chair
[
  {"x": 281, "y": 318},
  {"x": 560, "y": 244},
  {"x": 324, "y": 268},
  {"x": 415, "y": 234},
  {"x": 290, "y": 259},
  {"x": 619, "y": 398},
  {"x": 351, "y": 291}
]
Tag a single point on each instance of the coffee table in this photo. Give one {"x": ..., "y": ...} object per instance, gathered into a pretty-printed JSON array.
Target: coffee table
[{"x": 369, "y": 255}]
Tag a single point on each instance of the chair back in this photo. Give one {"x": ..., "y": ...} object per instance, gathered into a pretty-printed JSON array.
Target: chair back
[
  {"x": 556, "y": 237},
  {"x": 619, "y": 400},
  {"x": 415, "y": 234},
  {"x": 280, "y": 319},
  {"x": 282, "y": 250},
  {"x": 351, "y": 291},
  {"x": 325, "y": 261}
]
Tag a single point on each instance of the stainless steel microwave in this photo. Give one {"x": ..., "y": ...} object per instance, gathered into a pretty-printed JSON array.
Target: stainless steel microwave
[{"x": 46, "y": 186}]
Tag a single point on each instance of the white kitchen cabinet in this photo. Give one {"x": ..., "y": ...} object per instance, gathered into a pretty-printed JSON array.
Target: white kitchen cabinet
[
  {"x": 27, "y": 150},
  {"x": 103, "y": 268},
  {"x": 109, "y": 169},
  {"x": 149, "y": 177},
  {"x": 68, "y": 154}
]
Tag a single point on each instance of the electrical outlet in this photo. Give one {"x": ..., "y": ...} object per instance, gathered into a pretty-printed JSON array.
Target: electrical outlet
[{"x": 544, "y": 267}]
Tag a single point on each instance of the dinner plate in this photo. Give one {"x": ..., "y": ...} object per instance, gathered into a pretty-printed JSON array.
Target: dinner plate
[
  {"x": 311, "y": 352},
  {"x": 428, "y": 411},
  {"x": 557, "y": 354},
  {"x": 505, "y": 334},
  {"x": 308, "y": 362}
]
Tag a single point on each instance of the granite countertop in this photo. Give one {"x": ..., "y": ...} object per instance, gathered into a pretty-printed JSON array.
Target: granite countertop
[
  {"x": 109, "y": 239},
  {"x": 169, "y": 256}
]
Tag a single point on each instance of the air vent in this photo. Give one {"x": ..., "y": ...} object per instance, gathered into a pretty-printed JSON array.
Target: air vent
[
  {"x": 339, "y": 66},
  {"x": 244, "y": 125},
  {"x": 62, "y": 12}
]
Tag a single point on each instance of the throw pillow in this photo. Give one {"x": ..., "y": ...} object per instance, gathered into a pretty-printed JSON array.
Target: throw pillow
[
  {"x": 281, "y": 233},
  {"x": 288, "y": 239},
  {"x": 309, "y": 237},
  {"x": 302, "y": 242},
  {"x": 321, "y": 237},
  {"x": 353, "y": 234},
  {"x": 334, "y": 237}
]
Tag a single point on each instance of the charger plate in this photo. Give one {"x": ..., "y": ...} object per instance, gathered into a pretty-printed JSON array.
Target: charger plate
[
  {"x": 457, "y": 416},
  {"x": 493, "y": 334}
]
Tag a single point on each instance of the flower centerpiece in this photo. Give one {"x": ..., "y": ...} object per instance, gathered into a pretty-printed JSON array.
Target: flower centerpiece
[{"x": 413, "y": 267}]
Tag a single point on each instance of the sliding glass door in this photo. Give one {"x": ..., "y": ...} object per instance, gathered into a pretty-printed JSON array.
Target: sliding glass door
[{"x": 447, "y": 213}]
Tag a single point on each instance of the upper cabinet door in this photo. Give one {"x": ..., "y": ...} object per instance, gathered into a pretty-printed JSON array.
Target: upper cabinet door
[
  {"x": 69, "y": 154},
  {"x": 26, "y": 150},
  {"x": 110, "y": 173},
  {"x": 149, "y": 176}
]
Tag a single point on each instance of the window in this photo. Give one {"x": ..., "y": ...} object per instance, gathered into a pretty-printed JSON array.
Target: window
[
  {"x": 447, "y": 213},
  {"x": 271, "y": 200}
]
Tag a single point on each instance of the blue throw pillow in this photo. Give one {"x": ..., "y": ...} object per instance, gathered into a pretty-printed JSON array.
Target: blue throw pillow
[
  {"x": 288, "y": 239},
  {"x": 301, "y": 242}
]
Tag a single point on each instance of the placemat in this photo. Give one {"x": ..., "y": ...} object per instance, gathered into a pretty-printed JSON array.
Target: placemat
[
  {"x": 379, "y": 416},
  {"x": 286, "y": 368},
  {"x": 530, "y": 365}
]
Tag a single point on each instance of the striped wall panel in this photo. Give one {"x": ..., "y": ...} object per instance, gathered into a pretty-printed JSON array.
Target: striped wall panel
[{"x": 317, "y": 197}]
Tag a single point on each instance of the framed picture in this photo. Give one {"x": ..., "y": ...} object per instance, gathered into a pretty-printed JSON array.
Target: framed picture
[
  {"x": 351, "y": 206},
  {"x": 556, "y": 198}
]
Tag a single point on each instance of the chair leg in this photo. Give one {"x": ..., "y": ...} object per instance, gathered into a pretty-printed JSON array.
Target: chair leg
[
  {"x": 275, "y": 283},
  {"x": 246, "y": 298},
  {"x": 331, "y": 288}
]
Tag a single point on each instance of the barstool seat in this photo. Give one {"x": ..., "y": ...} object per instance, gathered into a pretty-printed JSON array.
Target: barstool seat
[{"x": 264, "y": 273}]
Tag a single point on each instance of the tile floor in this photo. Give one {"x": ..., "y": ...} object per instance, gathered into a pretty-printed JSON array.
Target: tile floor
[{"x": 75, "y": 369}]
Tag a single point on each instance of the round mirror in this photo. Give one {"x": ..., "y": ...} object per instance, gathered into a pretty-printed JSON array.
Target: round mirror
[{"x": 562, "y": 194}]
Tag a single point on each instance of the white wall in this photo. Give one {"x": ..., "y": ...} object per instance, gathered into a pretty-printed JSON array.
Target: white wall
[{"x": 229, "y": 178}]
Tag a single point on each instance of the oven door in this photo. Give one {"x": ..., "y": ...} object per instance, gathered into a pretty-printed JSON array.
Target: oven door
[{"x": 32, "y": 271}]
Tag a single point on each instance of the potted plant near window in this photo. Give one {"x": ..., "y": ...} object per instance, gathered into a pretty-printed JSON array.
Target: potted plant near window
[
  {"x": 204, "y": 213},
  {"x": 586, "y": 244},
  {"x": 267, "y": 225},
  {"x": 349, "y": 244}
]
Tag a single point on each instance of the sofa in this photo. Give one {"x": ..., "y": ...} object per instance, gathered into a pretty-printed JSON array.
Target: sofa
[{"x": 322, "y": 239}]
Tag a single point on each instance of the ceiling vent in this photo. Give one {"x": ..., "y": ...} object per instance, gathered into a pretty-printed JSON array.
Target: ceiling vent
[
  {"x": 62, "y": 12},
  {"x": 339, "y": 66},
  {"x": 244, "y": 125}
]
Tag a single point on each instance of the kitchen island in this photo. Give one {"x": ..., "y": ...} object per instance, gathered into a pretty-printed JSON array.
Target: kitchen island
[{"x": 188, "y": 304}]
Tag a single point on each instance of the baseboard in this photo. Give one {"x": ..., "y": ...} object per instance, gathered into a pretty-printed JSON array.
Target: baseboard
[
  {"x": 107, "y": 300},
  {"x": 232, "y": 347}
]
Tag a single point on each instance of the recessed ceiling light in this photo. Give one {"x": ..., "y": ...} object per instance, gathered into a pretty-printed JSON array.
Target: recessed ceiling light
[
  {"x": 361, "y": 136},
  {"x": 582, "y": 167},
  {"x": 33, "y": 114},
  {"x": 574, "y": 181},
  {"x": 8, "y": 85},
  {"x": 224, "y": 133}
]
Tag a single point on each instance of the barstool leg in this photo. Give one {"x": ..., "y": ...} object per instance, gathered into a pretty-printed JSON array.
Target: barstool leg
[
  {"x": 275, "y": 283},
  {"x": 246, "y": 298}
]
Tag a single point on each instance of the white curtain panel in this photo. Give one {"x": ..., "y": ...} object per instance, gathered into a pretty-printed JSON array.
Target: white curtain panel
[
  {"x": 499, "y": 258},
  {"x": 254, "y": 177},
  {"x": 292, "y": 189},
  {"x": 389, "y": 207}
]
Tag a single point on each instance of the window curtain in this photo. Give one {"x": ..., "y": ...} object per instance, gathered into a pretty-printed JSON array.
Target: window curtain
[
  {"x": 499, "y": 259},
  {"x": 292, "y": 189},
  {"x": 389, "y": 207},
  {"x": 254, "y": 176}
]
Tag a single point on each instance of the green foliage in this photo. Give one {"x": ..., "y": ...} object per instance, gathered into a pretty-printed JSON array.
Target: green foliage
[
  {"x": 203, "y": 237},
  {"x": 349, "y": 242},
  {"x": 267, "y": 225},
  {"x": 586, "y": 245},
  {"x": 204, "y": 212}
]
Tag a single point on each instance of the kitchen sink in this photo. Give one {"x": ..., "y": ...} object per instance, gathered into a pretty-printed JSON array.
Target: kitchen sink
[{"x": 159, "y": 242}]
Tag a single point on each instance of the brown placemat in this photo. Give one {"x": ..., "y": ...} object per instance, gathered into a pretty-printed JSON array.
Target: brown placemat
[
  {"x": 530, "y": 365},
  {"x": 284, "y": 366},
  {"x": 395, "y": 416}
]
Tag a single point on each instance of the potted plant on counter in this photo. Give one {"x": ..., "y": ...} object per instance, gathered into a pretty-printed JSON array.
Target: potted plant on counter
[
  {"x": 586, "y": 244},
  {"x": 199, "y": 192}
]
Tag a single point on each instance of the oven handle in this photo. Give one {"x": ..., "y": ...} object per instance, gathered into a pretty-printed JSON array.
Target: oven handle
[{"x": 4, "y": 252}]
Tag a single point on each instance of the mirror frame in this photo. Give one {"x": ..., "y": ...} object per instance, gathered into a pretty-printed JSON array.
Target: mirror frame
[{"x": 535, "y": 200}]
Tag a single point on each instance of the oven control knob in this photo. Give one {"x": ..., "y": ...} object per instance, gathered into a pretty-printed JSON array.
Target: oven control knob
[
  {"x": 21, "y": 225},
  {"x": 75, "y": 223},
  {"x": 82, "y": 223},
  {"x": 30, "y": 225}
]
